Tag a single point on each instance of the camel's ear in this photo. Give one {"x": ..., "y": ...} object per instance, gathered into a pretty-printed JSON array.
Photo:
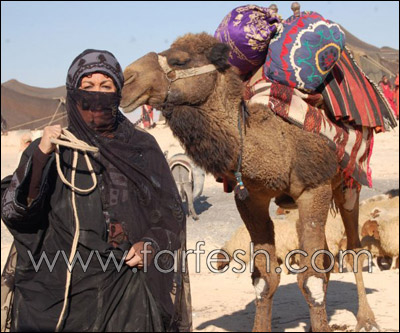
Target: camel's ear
[{"x": 219, "y": 56}]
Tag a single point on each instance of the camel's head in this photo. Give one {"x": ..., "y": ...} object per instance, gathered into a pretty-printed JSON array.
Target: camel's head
[{"x": 153, "y": 79}]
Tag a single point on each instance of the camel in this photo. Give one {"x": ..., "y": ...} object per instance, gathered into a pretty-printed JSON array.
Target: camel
[{"x": 200, "y": 95}]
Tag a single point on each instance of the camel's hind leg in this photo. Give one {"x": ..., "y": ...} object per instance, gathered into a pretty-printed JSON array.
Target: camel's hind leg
[
  {"x": 254, "y": 212},
  {"x": 313, "y": 207},
  {"x": 347, "y": 200}
]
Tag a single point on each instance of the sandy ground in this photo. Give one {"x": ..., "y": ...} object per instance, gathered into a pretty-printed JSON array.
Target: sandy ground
[{"x": 225, "y": 302}]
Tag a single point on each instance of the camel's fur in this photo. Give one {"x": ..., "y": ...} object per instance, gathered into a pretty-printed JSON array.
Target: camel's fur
[{"x": 278, "y": 158}]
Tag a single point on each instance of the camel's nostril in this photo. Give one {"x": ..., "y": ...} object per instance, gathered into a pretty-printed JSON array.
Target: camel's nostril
[{"x": 132, "y": 77}]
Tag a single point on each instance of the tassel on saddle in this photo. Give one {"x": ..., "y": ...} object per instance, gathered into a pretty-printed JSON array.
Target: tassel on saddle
[{"x": 241, "y": 191}]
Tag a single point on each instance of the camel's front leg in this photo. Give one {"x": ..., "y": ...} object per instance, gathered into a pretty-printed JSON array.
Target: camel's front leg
[
  {"x": 313, "y": 212},
  {"x": 254, "y": 212}
]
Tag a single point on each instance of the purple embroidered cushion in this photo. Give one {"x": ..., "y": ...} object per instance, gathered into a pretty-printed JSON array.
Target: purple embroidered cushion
[{"x": 248, "y": 31}]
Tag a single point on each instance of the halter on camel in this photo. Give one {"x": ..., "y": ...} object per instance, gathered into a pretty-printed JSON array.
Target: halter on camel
[{"x": 184, "y": 73}]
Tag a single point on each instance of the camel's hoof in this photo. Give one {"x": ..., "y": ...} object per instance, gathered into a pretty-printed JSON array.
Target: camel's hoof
[{"x": 367, "y": 326}]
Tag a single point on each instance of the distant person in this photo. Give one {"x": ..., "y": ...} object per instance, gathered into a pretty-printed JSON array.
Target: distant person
[
  {"x": 396, "y": 95},
  {"x": 135, "y": 206},
  {"x": 273, "y": 8},
  {"x": 147, "y": 116},
  {"x": 295, "y": 7},
  {"x": 388, "y": 93}
]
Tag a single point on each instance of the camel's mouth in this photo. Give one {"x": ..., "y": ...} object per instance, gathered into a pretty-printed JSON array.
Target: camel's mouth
[{"x": 132, "y": 104}]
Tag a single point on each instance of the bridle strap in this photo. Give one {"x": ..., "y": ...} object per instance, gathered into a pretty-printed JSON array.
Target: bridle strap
[{"x": 183, "y": 73}]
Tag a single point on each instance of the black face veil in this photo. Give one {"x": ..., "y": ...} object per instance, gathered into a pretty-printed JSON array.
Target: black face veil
[{"x": 97, "y": 110}]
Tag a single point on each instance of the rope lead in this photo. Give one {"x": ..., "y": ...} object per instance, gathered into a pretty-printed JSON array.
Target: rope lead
[
  {"x": 69, "y": 140},
  {"x": 241, "y": 191}
]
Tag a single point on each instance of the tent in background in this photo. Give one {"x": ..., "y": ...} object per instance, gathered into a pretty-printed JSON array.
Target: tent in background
[
  {"x": 33, "y": 108},
  {"x": 27, "y": 107}
]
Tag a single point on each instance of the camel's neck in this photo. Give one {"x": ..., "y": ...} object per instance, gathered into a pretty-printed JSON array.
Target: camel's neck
[
  {"x": 209, "y": 132},
  {"x": 227, "y": 97}
]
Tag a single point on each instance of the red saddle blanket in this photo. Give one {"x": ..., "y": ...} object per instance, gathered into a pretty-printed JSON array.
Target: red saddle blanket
[
  {"x": 349, "y": 133},
  {"x": 349, "y": 95}
]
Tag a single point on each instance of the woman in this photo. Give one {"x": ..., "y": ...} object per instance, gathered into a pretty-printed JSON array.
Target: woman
[
  {"x": 388, "y": 92},
  {"x": 135, "y": 206}
]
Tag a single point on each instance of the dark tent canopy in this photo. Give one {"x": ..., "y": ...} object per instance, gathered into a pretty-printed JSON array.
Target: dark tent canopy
[{"x": 27, "y": 107}]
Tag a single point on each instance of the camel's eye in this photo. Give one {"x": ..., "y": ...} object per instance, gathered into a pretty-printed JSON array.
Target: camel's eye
[{"x": 178, "y": 62}]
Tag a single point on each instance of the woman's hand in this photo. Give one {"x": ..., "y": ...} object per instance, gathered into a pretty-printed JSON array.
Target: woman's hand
[
  {"x": 49, "y": 132},
  {"x": 135, "y": 257}
]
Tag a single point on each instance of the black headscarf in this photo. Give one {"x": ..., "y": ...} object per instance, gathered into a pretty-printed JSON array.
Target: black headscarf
[
  {"x": 98, "y": 109},
  {"x": 94, "y": 61},
  {"x": 137, "y": 189}
]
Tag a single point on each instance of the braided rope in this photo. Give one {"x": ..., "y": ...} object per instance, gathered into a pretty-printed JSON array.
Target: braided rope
[{"x": 70, "y": 141}]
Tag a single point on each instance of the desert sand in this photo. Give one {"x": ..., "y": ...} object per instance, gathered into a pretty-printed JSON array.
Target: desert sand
[{"x": 225, "y": 301}]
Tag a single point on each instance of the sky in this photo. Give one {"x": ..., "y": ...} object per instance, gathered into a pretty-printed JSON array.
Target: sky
[{"x": 39, "y": 39}]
